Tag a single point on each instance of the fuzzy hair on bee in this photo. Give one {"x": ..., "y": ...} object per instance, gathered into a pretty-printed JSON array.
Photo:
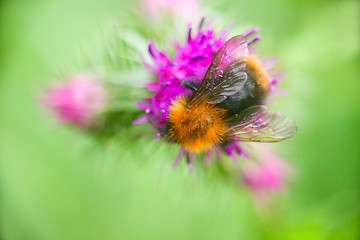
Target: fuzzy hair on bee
[
  {"x": 196, "y": 126},
  {"x": 227, "y": 105}
]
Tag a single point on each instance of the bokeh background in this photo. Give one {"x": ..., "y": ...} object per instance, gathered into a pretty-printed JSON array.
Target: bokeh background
[{"x": 56, "y": 184}]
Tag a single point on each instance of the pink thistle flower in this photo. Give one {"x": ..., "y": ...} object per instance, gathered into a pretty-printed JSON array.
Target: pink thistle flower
[
  {"x": 189, "y": 64},
  {"x": 191, "y": 61},
  {"x": 266, "y": 176},
  {"x": 186, "y": 9},
  {"x": 76, "y": 101},
  {"x": 233, "y": 150}
]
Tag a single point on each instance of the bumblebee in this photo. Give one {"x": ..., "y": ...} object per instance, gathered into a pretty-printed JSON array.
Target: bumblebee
[{"x": 227, "y": 105}]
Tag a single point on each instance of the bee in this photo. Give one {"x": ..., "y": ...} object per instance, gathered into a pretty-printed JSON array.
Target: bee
[{"x": 227, "y": 105}]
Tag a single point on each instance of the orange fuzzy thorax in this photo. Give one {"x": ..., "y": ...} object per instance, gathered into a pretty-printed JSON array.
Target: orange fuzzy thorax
[
  {"x": 255, "y": 68},
  {"x": 196, "y": 126}
]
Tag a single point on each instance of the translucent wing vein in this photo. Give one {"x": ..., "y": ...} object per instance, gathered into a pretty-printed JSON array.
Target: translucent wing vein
[
  {"x": 225, "y": 75},
  {"x": 258, "y": 124}
]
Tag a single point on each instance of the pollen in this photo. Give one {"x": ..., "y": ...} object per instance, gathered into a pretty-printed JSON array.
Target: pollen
[
  {"x": 257, "y": 71},
  {"x": 196, "y": 126}
]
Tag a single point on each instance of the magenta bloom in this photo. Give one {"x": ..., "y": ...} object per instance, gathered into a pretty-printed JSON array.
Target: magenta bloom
[
  {"x": 266, "y": 176},
  {"x": 187, "y": 9},
  {"x": 76, "y": 101},
  {"x": 190, "y": 62}
]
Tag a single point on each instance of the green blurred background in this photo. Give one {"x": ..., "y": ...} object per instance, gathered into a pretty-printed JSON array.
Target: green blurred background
[{"x": 54, "y": 184}]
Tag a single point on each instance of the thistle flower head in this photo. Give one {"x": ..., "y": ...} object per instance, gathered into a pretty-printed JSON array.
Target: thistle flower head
[
  {"x": 267, "y": 175},
  {"x": 186, "y": 9},
  {"x": 190, "y": 62},
  {"x": 76, "y": 101}
]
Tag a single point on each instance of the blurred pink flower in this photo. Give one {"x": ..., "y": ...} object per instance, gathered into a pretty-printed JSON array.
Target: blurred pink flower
[
  {"x": 76, "y": 101},
  {"x": 266, "y": 176},
  {"x": 186, "y": 9}
]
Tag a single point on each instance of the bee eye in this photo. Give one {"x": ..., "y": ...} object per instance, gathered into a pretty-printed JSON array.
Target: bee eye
[{"x": 189, "y": 84}]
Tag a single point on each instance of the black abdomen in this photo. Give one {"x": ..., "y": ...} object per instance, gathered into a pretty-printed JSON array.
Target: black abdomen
[{"x": 250, "y": 94}]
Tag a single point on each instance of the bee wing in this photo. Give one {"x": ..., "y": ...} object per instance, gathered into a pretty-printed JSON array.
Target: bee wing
[
  {"x": 225, "y": 75},
  {"x": 258, "y": 124}
]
